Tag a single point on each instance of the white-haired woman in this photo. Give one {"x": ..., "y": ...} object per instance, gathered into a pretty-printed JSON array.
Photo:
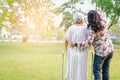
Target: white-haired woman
[{"x": 76, "y": 67}]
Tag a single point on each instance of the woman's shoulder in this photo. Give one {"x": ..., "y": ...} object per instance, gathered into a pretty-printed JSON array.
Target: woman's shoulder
[
  {"x": 90, "y": 31},
  {"x": 85, "y": 27},
  {"x": 70, "y": 28}
]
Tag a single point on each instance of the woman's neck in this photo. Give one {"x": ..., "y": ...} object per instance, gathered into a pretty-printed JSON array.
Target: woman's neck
[{"x": 78, "y": 24}]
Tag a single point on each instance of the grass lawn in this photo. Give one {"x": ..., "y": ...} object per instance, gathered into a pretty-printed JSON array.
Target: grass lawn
[{"x": 29, "y": 61}]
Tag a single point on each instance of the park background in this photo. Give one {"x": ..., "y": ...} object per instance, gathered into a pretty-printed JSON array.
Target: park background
[{"x": 32, "y": 36}]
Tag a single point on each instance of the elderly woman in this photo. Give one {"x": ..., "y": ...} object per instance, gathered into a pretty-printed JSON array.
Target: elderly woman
[{"x": 76, "y": 67}]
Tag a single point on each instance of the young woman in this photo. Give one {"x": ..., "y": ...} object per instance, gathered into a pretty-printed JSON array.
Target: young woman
[
  {"x": 98, "y": 37},
  {"x": 76, "y": 67}
]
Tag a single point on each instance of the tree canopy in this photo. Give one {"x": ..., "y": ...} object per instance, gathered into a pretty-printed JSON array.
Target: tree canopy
[
  {"x": 23, "y": 14},
  {"x": 111, "y": 8},
  {"x": 7, "y": 16},
  {"x": 68, "y": 9},
  {"x": 16, "y": 13}
]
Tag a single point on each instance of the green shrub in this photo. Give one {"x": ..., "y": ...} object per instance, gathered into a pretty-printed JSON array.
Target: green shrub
[
  {"x": 60, "y": 35},
  {"x": 116, "y": 42}
]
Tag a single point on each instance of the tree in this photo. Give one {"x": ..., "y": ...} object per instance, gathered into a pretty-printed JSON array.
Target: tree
[
  {"x": 68, "y": 9},
  {"x": 35, "y": 14},
  {"x": 24, "y": 15},
  {"x": 111, "y": 8},
  {"x": 7, "y": 16}
]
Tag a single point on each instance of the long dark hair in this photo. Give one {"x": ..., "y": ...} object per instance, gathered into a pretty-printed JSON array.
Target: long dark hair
[{"x": 94, "y": 21}]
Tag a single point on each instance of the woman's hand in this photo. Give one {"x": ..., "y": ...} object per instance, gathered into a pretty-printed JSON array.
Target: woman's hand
[
  {"x": 66, "y": 50},
  {"x": 72, "y": 44}
]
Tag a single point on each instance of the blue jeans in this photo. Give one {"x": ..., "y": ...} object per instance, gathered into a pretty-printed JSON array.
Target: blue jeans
[{"x": 101, "y": 64}]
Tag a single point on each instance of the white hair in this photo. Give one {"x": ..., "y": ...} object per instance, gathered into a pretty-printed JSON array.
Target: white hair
[{"x": 78, "y": 17}]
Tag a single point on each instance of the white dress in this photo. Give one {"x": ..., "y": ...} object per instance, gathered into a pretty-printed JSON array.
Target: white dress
[{"x": 76, "y": 67}]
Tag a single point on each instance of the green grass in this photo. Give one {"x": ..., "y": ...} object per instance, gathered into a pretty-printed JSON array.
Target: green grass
[{"x": 29, "y": 61}]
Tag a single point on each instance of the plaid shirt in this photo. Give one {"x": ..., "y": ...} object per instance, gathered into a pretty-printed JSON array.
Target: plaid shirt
[{"x": 100, "y": 41}]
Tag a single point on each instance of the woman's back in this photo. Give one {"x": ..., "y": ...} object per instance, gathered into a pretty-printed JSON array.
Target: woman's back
[
  {"x": 76, "y": 58},
  {"x": 77, "y": 33}
]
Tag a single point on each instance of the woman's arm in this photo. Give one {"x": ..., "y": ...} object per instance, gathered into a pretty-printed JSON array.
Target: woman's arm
[
  {"x": 88, "y": 42},
  {"x": 66, "y": 44},
  {"x": 67, "y": 37}
]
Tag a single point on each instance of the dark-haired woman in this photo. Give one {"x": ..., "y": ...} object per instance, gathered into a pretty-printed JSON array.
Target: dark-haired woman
[{"x": 98, "y": 36}]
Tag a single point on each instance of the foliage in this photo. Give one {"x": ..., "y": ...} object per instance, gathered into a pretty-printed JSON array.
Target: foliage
[
  {"x": 115, "y": 29},
  {"x": 116, "y": 42},
  {"x": 60, "y": 34},
  {"x": 68, "y": 9},
  {"x": 6, "y": 13},
  {"x": 111, "y": 8},
  {"x": 26, "y": 14},
  {"x": 67, "y": 20}
]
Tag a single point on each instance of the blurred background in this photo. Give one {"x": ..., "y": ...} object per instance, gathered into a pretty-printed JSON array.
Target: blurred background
[
  {"x": 47, "y": 20},
  {"x": 32, "y": 36}
]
